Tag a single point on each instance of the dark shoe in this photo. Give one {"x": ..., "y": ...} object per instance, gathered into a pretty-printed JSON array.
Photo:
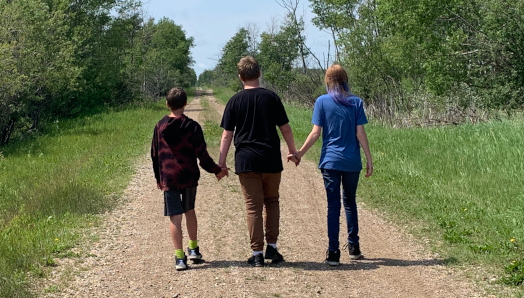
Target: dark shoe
[
  {"x": 333, "y": 257},
  {"x": 256, "y": 261},
  {"x": 181, "y": 264},
  {"x": 354, "y": 251},
  {"x": 194, "y": 254},
  {"x": 273, "y": 254}
]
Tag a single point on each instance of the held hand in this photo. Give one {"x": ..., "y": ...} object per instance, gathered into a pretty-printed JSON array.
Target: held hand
[
  {"x": 223, "y": 172},
  {"x": 294, "y": 158},
  {"x": 159, "y": 186},
  {"x": 369, "y": 169}
]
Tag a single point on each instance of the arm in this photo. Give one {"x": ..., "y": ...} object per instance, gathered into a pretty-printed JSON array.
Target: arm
[
  {"x": 363, "y": 140},
  {"x": 225, "y": 143},
  {"x": 313, "y": 136},
  {"x": 287, "y": 133}
]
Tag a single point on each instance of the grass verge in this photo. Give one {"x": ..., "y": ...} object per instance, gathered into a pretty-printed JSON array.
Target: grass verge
[{"x": 53, "y": 186}]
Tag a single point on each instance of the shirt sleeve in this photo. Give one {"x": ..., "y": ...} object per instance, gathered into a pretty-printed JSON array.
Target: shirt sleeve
[
  {"x": 281, "y": 116},
  {"x": 361, "y": 115},
  {"x": 154, "y": 155},
  {"x": 318, "y": 115},
  {"x": 228, "y": 118}
]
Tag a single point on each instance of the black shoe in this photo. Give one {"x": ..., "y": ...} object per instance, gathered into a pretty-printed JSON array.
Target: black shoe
[
  {"x": 354, "y": 251},
  {"x": 181, "y": 264},
  {"x": 256, "y": 261},
  {"x": 273, "y": 254},
  {"x": 194, "y": 255},
  {"x": 333, "y": 257}
]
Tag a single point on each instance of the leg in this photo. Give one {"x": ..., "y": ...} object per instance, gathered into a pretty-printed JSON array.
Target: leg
[
  {"x": 191, "y": 224},
  {"x": 271, "y": 183},
  {"x": 175, "y": 227},
  {"x": 188, "y": 201},
  {"x": 173, "y": 208},
  {"x": 332, "y": 185},
  {"x": 253, "y": 194},
  {"x": 350, "y": 183}
]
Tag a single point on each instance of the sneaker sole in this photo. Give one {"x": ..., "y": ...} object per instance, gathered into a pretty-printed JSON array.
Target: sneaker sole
[
  {"x": 180, "y": 268},
  {"x": 332, "y": 263},
  {"x": 192, "y": 258},
  {"x": 357, "y": 257}
]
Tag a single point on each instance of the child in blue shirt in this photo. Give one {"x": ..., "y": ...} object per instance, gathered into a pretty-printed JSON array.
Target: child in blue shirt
[{"x": 339, "y": 116}]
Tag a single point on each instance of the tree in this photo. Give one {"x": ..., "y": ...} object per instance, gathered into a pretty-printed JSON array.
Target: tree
[{"x": 236, "y": 48}]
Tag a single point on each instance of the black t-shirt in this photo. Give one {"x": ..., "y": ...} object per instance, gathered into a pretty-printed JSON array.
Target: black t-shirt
[{"x": 254, "y": 115}]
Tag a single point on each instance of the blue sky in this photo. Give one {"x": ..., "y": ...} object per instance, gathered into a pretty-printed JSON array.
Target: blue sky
[{"x": 213, "y": 23}]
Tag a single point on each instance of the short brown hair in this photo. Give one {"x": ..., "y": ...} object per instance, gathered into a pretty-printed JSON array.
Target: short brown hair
[
  {"x": 248, "y": 68},
  {"x": 176, "y": 98}
]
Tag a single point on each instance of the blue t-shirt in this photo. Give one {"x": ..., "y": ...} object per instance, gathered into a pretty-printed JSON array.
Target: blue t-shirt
[{"x": 340, "y": 147}]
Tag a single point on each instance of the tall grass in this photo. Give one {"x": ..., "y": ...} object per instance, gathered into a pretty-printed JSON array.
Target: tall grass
[
  {"x": 52, "y": 187},
  {"x": 461, "y": 185}
]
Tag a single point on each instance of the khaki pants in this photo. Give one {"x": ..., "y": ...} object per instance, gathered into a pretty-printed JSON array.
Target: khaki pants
[{"x": 261, "y": 190}]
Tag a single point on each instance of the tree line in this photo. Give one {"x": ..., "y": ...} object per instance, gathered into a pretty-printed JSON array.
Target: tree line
[
  {"x": 403, "y": 56},
  {"x": 61, "y": 58}
]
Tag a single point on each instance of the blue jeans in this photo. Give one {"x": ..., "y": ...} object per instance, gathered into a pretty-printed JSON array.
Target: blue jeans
[{"x": 349, "y": 180}]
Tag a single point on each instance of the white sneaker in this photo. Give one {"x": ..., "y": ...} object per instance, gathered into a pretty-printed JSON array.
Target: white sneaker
[{"x": 181, "y": 264}]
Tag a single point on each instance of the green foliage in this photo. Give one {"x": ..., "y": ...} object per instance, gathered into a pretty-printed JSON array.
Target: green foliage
[
  {"x": 53, "y": 186},
  {"x": 402, "y": 54},
  {"x": 515, "y": 272},
  {"x": 167, "y": 59},
  {"x": 225, "y": 73},
  {"x": 59, "y": 59}
]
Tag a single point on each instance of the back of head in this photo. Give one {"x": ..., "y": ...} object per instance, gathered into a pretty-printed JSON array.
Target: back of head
[
  {"x": 176, "y": 98},
  {"x": 335, "y": 76},
  {"x": 248, "y": 68},
  {"x": 336, "y": 80}
]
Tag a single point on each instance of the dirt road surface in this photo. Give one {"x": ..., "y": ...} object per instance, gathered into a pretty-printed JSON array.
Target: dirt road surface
[{"x": 134, "y": 256}]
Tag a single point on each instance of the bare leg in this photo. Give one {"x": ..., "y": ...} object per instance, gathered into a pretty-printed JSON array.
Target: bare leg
[
  {"x": 191, "y": 224},
  {"x": 175, "y": 227}
]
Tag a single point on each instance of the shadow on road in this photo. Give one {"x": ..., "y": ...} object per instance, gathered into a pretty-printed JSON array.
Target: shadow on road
[{"x": 364, "y": 264}]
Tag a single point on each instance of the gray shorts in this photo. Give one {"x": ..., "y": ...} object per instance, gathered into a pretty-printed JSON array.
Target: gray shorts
[{"x": 179, "y": 201}]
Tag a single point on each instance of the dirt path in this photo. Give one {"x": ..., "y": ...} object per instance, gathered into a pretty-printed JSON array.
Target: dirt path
[{"x": 134, "y": 256}]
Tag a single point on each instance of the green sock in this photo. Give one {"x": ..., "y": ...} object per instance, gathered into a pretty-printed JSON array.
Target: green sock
[
  {"x": 193, "y": 244},
  {"x": 179, "y": 253}
]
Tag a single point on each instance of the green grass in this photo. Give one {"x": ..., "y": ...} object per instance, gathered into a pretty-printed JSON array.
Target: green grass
[
  {"x": 223, "y": 94},
  {"x": 460, "y": 187},
  {"x": 53, "y": 186}
]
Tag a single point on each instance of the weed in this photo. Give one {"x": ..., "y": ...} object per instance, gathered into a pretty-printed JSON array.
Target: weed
[{"x": 515, "y": 270}]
